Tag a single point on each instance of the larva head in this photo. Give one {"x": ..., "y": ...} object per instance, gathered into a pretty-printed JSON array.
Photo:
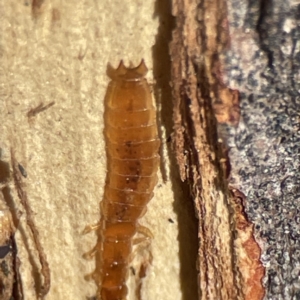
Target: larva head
[
  {"x": 128, "y": 74},
  {"x": 128, "y": 90}
]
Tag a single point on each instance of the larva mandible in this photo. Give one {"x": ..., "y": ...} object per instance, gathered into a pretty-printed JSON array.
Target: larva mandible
[{"x": 132, "y": 145}]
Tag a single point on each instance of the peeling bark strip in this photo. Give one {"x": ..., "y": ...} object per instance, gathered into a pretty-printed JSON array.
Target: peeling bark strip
[
  {"x": 200, "y": 99},
  {"x": 247, "y": 250},
  {"x": 44, "y": 289}
]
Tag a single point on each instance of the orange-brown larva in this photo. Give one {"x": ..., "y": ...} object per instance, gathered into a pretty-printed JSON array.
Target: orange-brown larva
[{"x": 132, "y": 145}]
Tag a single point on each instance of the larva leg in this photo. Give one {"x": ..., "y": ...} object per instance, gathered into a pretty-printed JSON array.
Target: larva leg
[
  {"x": 90, "y": 228},
  {"x": 146, "y": 232},
  {"x": 93, "y": 227},
  {"x": 143, "y": 244},
  {"x": 142, "y": 247},
  {"x": 90, "y": 254},
  {"x": 89, "y": 277},
  {"x": 143, "y": 212}
]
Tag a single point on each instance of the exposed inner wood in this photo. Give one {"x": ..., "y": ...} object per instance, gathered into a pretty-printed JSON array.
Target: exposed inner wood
[{"x": 54, "y": 51}]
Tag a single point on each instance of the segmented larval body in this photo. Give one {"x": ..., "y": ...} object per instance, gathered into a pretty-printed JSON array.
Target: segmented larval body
[{"x": 132, "y": 145}]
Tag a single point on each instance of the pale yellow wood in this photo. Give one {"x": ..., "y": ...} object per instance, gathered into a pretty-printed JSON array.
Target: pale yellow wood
[{"x": 61, "y": 55}]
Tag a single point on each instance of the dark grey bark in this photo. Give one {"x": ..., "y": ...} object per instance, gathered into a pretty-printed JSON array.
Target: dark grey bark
[{"x": 263, "y": 64}]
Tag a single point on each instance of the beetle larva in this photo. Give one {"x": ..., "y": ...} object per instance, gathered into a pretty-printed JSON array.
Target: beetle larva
[{"x": 132, "y": 145}]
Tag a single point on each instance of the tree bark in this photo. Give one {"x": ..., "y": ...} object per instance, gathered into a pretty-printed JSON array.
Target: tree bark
[{"x": 236, "y": 127}]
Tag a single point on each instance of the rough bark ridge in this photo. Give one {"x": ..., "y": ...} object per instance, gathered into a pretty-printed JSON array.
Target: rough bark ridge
[
  {"x": 194, "y": 90},
  {"x": 229, "y": 266}
]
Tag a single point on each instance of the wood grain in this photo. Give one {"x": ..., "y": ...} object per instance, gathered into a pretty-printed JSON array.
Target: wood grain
[{"x": 61, "y": 55}]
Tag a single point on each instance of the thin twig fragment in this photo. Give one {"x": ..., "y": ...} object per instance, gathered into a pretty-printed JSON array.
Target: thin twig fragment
[{"x": 40, "y": 108}]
